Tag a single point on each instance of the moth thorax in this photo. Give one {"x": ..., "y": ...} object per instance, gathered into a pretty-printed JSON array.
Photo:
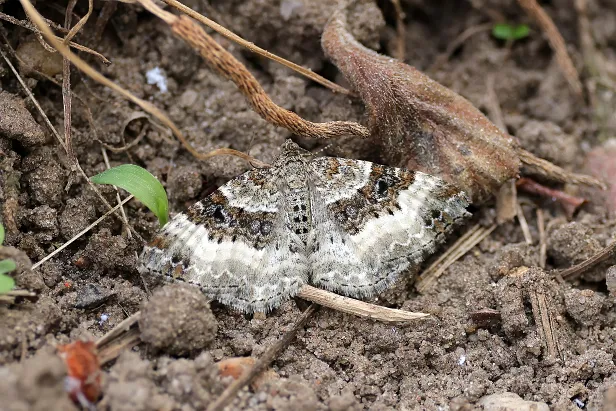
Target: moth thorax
[{"x": 299, "y": 213}]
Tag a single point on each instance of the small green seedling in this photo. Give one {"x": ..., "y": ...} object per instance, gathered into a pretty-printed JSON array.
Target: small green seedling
[
  {"x": 510, "y": 32},
  {"x": 140, "y": 183},
  {"x": 6, "y": 266}
]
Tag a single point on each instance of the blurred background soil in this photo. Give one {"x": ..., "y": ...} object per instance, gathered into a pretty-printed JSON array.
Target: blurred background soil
[{"x": 459, "y": 359}]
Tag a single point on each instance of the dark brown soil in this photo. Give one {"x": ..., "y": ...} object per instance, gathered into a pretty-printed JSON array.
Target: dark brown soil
[{"x": 454, "y": 360}]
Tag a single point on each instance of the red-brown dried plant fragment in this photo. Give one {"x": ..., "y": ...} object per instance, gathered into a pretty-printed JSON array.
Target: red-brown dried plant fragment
[
  {"x": 421, "y": 124},
  {"x": 83, "y": 382}
]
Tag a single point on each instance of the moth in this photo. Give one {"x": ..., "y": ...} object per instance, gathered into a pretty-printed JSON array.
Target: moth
[{"x": 348, "y": 226}]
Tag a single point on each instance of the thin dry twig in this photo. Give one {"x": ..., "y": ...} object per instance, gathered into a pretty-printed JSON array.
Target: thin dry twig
[
  {"x": 581, "y": 268},
  {"x": 10, "y": 296},
  {"x": 103, "y": 17},
  {"x": 82, "y": 232},
  {"x": 463, "y": 245},
  {"x": 118, "y": 330},
  {"x": 118, "y": 198},
  {"x": 148, "y": 107},
  {"x": 29, "y": 26},
  {"x": 262, "y": 363},
  {"x": 356, "y": 307},
  {"x": 66, "y": 87},
  {"x": 123, "y": 336},
  {"x": 570, "y": 203},
  {"x": 227, "y": 66},
  {"x": 69, "y": 10},
  {"x": 255, "y": 49},
  {"x": 507, "y": 196},
  {"x": 556, "y": 42},
  {"x": 538, "y": 166},
  {"x": 524, "y": 224},
  {"x": 543, "y": 243},
  {"x": 126, "y": 341}
]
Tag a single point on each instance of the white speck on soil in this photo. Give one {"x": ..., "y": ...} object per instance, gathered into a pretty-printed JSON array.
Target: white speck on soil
[{"x": 158, "y": 77}]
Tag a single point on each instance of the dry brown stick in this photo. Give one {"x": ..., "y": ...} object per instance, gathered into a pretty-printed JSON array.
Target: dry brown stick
[
  {"x": 10, "y": 296},
  {"x": 542, "y": 313},
  {"x": 544, "y": 168},
  {"x": 125, "y": 341},
  {"x": 227, "y": 66},
  {"x": 400, "y": 31},
  {"x": 122, "y": 336},
  {"x": 66, "y": 87},
  {"x": 528, "y": 238},
  {"x": 556, "y": 42},
  {"x": 148, "y": 107},
  {"x": 463, "y": 245},
  {"x": 28, "y": 25},
  {"x": 118, "y": 330},
  {"x": 356, "y": 307},
  {"x": 82, "y": 232},
  {"x": 262, "y": 363},
  {"x": 543, "y": 244},
  {"x": 104, "y": 15},
  {"x": 581, "y": 268},
  {"x": 255, "y": 49}
]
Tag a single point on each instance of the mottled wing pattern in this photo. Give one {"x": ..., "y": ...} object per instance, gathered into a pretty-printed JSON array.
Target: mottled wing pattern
[
  {"x": 234, "y": 245},
  {"x": 371, "y": 222}
]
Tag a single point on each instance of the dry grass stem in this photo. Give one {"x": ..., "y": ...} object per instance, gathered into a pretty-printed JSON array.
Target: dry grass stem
[
  {"x": 538, "y": 166},
  {"x": 69, "y": 10},
  {"x": 262, "y": 363},
  {"x": 123, "y": 336},
  {"x": 29, "y": 26},
  {"x": 118, "y": 330},
  {"x": 356, "y": 307},
  {"x": 464, "y": 244},
  {"x": 82, "y": 232},
  {"x": 581, "y": 268},
  {"x": 9, "y": 297},
  {"x": 255, "y": 49},
  {"x": 66, "y": 87},
  {"x": 126, "y": 341},
  {"x": 528, "y": 238},
  {"x": 543, "y": 242},
  {"x": 118, "y": 198},
  {"x": 227, "y": 66},
  {"x": 556, "y": 42},
  {"x": 148, "y": 107}
]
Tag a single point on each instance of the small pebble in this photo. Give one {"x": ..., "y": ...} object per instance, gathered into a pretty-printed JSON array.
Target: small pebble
[
  {"x": 17, "y": 123},
  {"x": 177, "y": 320},
  {"x": 508, "y": 401},
  {"x": 92, "y": 295}
]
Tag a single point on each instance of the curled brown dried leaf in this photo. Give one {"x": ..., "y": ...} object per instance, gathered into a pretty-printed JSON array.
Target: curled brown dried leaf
[{"x": 421, "y": 124}]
